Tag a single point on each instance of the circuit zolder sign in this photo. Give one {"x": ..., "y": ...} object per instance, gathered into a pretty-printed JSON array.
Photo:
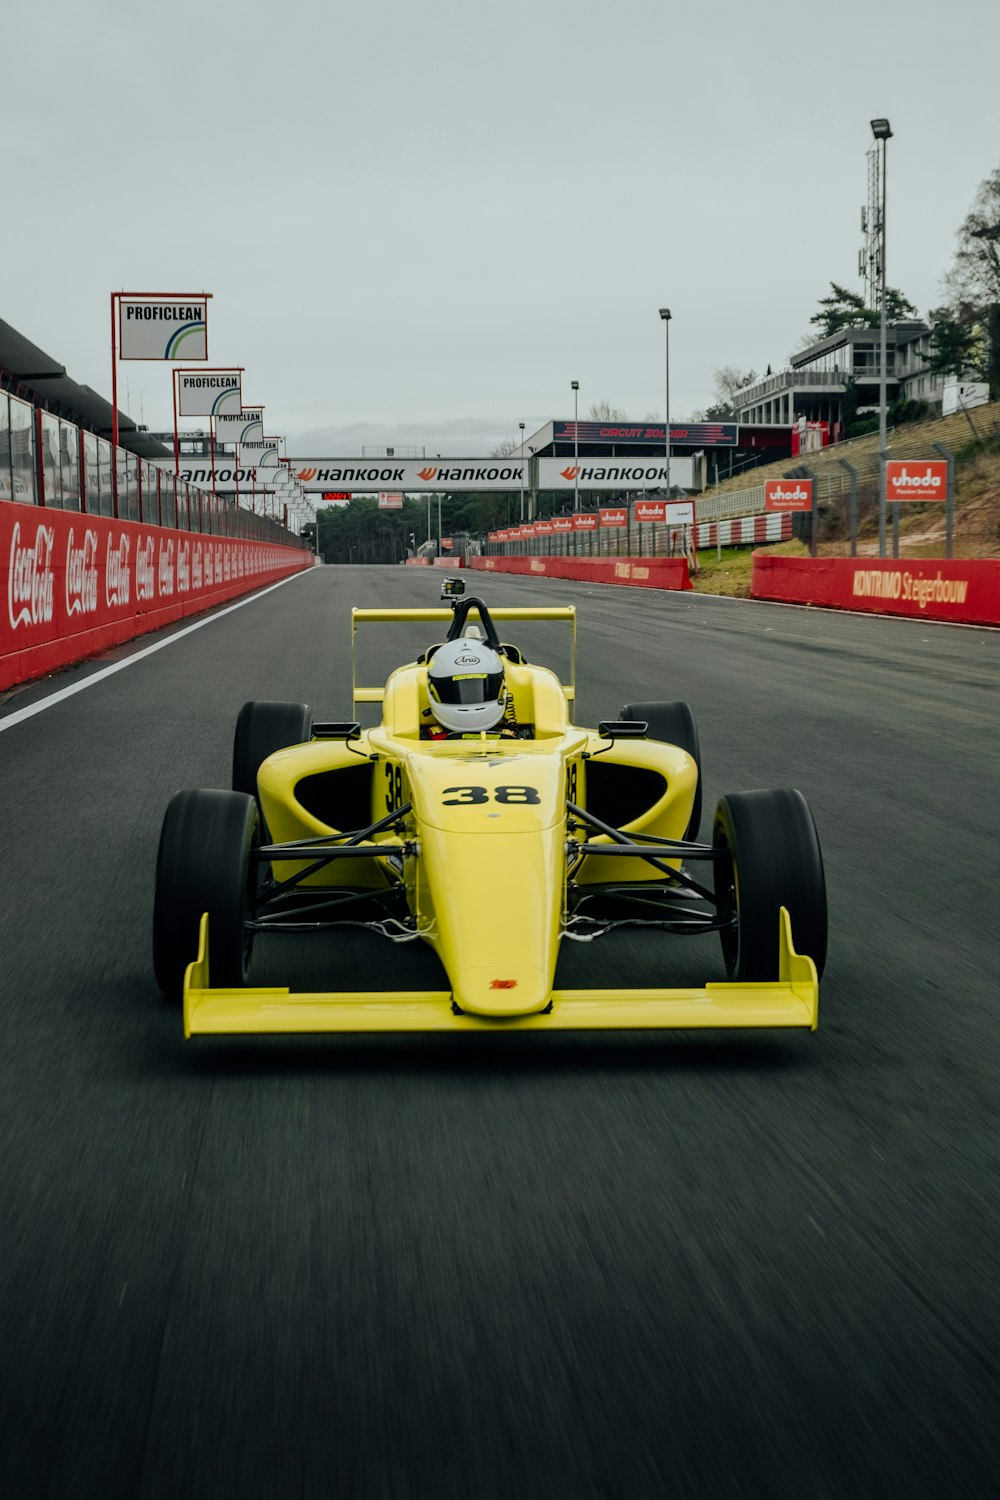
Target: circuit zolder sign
[{"x": 693, "y": 434}]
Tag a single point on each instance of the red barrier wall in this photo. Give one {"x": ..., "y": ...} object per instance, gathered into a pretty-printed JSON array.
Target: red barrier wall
[
  {"x": 966, "y": 592},
  {"x": 74, "y": 585},
  {"x": 641, "y": 572}
]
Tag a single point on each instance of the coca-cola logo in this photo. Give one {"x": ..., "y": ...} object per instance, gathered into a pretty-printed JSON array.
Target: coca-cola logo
[
  {"x": 209, "y": 567},
  {"x": 81, "y": 574},
  {"x": 145, "y": 569},
  {"x": 117, "y": 573},
  {"x": 31, "y": 579},
  {"x": 197, "y": 568},
  {"x": 165, "y": 569},
  {"x": 183, "y": 567}
]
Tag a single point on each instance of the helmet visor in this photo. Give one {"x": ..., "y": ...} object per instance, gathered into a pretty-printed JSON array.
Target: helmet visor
[{"x": 466, "y": 688}]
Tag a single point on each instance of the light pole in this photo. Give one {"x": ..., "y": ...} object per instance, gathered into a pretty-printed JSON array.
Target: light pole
[
  {"x": 665, "y": 315},
  {"x": 521, "y": 426},
  {"x": 882, "y": 132}
]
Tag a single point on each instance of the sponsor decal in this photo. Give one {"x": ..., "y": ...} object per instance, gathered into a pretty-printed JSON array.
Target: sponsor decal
[
  {"x": 145, "y": 569},
  {"x": 31, "y": 579},
  {"x": 613, "y": 517},
  {"x": 81, "y": 574},
  {"x": 165, "y": 569},
  {"x": 788, "y": 494},
  {"x": 184, "y": 567},
  {"x": 906, "y": 480},
  {"x": 197, "y": 567},
  {"x": 585, "y": 520},
  {"x": 117, "y": 573},
  {"x": 885, "y": 583}
]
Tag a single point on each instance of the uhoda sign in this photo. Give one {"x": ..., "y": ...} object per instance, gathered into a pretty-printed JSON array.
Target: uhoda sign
[
  {"x": 788, "y": 494},
  {"x": 923, "y": 480},
  {"x": 162, "y": 327}
]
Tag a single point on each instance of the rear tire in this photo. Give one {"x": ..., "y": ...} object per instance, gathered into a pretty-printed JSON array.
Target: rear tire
[
  {"x": 203, "y": 864},
  {"x": 673, "y": 724},
  {"x": 262, "y": 728},
  {"x": 771, "y": 859}
]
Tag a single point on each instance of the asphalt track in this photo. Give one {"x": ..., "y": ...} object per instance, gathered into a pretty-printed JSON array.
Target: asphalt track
[{"x": 691, "y": 1265}]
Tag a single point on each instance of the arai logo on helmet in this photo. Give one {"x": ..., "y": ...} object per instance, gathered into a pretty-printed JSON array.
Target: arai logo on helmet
[{"x": 469, "y": 659}]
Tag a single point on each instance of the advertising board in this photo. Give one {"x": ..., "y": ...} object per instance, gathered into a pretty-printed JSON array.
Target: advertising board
[
  {"x": 788, "y": 494},
  {"x": 206, "y": 393},
  {"x": 923, "y": 479},
  {"x": 162, "y": 327}
]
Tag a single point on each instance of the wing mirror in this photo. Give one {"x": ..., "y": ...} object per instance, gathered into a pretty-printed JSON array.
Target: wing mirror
[{"x": 622, "y": 729}]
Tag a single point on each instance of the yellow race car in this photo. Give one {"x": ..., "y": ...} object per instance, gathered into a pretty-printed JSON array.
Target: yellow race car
[{"x": 492, "y": 833}]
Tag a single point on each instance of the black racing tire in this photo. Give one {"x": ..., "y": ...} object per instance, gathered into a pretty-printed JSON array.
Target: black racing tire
[
  {"x": 263, "y": 727},
  {"x": 673, "y": 724},
  {"x": 771, "y": 858},
  {"x": 204, "y": 864}
]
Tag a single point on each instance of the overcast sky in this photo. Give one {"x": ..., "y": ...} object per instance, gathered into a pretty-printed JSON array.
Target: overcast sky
[{"x": 420, "y": 222}]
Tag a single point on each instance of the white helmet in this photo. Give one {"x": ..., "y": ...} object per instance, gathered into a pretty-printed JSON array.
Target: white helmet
[{"x": 466, "y": 687}]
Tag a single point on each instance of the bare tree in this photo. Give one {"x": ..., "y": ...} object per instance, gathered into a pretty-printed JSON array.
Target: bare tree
[
  {"x": 604, "y": 411},
  {"x": 975, "y": 276},
  {"x": 973, "y": 283},
  {"x": 728, "y": 380}
]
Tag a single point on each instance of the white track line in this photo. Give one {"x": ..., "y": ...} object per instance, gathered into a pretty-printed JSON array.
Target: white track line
[{"x": 19, "y": 716}]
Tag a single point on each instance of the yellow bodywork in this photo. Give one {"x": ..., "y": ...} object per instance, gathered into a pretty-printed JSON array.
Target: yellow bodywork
[
  {"x": 483, "y": 854},
  {"x": 791, "y": 1001}
]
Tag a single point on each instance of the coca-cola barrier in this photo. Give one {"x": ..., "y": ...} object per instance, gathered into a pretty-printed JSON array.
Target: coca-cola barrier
[
  {"x": 74, "y": 585},
  {"x": 641, "y": 572},
  {"x": 966, "y": 591}
]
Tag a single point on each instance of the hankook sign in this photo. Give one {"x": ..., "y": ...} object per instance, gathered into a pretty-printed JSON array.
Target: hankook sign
[
  {"x": 413, "y": 476},
  {"x": 621, "y": 474}
]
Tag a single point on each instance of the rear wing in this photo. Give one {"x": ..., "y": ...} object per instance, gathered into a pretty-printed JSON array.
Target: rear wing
[{"x": 559, "y": 614}]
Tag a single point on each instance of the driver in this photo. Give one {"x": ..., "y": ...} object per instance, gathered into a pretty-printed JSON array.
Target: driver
[{"x": 469, "y": 696}]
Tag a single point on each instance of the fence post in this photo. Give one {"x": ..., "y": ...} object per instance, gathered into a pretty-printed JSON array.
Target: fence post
[
  {"x": 949, "y": 507},
  {"x": 803, "y": 471},
  {"x": 852, "y": 471}
]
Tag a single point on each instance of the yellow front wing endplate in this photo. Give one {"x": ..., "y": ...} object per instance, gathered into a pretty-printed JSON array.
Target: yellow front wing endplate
[{"x": 792, "y": 1000}]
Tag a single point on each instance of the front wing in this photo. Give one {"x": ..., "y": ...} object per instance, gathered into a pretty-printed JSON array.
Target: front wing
[{"x": 792, "y": 1000}]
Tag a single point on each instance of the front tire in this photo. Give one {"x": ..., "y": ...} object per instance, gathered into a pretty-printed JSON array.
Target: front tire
[
  {"x": 203, "y": 864},
  {"x": 770, "y": 858},
  {"x": 673, "y": 724},
  {"x": 263, "y": 727}
]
